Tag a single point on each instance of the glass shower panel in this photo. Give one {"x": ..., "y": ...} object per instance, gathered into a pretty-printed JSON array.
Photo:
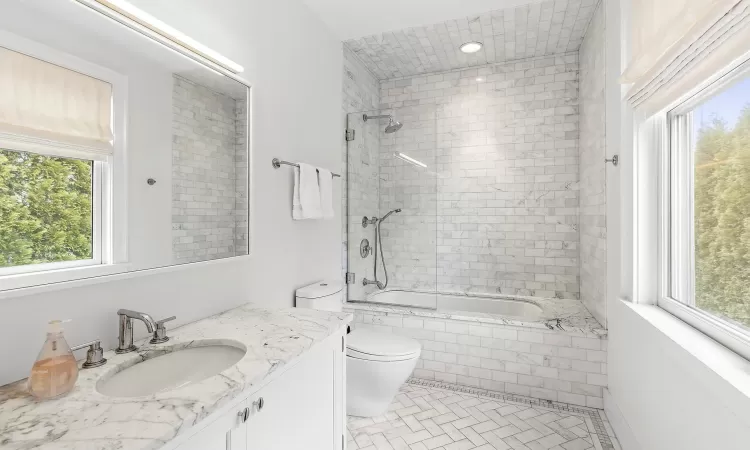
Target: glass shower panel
[
  {"x": 408, "y": 182},
  {"x": 392, "y": 176}
]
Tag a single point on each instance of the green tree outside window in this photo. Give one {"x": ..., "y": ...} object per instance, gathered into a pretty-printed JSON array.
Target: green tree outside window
[
  {"x": 45, "y": 209},
  {"x": 722, "y": 219}
]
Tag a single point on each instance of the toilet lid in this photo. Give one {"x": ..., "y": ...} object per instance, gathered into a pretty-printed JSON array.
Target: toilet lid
[{"x": 366, "y": 344}]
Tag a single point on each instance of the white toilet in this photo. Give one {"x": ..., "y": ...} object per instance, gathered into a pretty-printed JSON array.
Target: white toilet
[{"x": 377, "y": 364}]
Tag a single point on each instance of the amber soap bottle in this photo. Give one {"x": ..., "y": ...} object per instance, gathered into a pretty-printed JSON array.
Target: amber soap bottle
[{"x": 55, "y": 371}]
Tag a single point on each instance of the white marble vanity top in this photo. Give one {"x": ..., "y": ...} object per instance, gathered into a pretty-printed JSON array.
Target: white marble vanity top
[{"x": 86, "y": 419}]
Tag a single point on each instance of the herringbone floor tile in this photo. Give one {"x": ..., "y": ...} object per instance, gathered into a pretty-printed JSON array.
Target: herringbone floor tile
[{"x": 436, "y": 416}]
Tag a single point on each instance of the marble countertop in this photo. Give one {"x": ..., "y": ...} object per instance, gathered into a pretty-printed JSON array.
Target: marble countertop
[
  {"x": 566, "y": 315},
  {"x": 86, "y": 419}
]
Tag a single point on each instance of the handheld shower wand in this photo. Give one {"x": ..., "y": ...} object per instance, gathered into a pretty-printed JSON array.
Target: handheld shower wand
[{"x": 379, "y": 242}]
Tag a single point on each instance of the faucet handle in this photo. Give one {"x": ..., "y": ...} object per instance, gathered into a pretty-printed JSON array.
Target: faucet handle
[
  {"x": 94, "y": 355},
  {"x": 160, "y": 332}
]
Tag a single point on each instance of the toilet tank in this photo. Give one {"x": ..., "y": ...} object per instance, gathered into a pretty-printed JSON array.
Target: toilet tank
[{"x": 325, "y": 295}]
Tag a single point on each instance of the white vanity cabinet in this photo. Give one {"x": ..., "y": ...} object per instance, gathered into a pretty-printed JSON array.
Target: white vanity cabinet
[{"x": 301, "y": 408}]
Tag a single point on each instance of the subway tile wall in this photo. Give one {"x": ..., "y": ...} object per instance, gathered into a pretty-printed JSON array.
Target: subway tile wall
[
  {"x": 540, "y": 28},
  {"x": 535, "y": 362},
  {"x": 241, "y": 200},
  {"x": 496, "y": 210},
  {"x": 409, "y": 238},
  {"x": 593, "y": 170},
  {"x": 206, "y": 161}
]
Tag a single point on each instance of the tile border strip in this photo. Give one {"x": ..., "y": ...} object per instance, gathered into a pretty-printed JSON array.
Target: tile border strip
[{"x": 592, "y": 413}]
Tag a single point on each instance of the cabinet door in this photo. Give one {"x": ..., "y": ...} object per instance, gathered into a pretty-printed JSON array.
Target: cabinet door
[
  {"x": 227, "y": 432},
  {"x": 299, "y": 409}
]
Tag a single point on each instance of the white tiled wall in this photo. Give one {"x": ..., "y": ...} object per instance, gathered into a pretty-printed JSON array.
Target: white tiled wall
[
  {"x": 535, "y": 362},
  {"x": 205, "y": 164},
  {"x": 361, "y": 92},
  {"x": 593, "y": 170},
  {"x": 499, "y": 198}
]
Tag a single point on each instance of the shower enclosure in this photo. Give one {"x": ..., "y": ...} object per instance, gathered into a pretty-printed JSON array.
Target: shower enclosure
[
  {"x": 392, "y": 202},
  {"x": 476, "y": 219}
]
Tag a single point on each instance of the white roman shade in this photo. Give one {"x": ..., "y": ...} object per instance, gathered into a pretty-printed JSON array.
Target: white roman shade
[
  {"x": 44, "y": 103},
  {"x": 677, "y": 44}
]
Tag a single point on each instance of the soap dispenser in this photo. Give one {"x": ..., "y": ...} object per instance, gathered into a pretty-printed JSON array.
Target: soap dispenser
[{"x": 55, "y": 371}]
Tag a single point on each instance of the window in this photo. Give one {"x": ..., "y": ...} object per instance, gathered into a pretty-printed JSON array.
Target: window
[
  {"x": 708, "y": 220},
  {"x": 58, "y": 161}
]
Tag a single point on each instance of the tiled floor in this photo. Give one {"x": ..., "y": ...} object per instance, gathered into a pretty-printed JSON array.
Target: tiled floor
[{"x": 428, "y": 415}]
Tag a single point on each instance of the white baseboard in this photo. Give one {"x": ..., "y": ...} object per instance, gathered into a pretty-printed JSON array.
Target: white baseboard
[{"x": 620, "y": 426}]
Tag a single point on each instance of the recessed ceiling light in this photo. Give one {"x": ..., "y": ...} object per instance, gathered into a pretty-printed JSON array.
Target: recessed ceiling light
[{"x": 471, "y": 47}]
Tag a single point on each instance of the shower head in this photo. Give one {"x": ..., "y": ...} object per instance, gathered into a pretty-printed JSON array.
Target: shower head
[{"x": 393, "y": 125}]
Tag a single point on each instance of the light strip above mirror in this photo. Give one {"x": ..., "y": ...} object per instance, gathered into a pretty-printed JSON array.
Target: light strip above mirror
[{"x": 142, "y": 18}]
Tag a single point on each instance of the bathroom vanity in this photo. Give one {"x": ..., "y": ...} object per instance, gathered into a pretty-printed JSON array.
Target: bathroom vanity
[{"x": 285, "y": 391}]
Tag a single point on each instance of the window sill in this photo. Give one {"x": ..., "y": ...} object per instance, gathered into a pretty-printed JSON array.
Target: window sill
[
  {"x": 49, "y": 277},
  {"x": 108, "y": 273},
  {"x": 731, "y": 367}
]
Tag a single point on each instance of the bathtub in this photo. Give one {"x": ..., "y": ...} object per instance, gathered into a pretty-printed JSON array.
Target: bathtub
[
  {"x": 545, "y": 348},
  {"x": 448, "y": 303}
]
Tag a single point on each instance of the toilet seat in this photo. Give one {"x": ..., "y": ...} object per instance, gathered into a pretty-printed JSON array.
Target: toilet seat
[{"x": 373, "y": 346}]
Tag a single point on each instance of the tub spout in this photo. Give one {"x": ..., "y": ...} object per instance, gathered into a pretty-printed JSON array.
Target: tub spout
[{"x": 379, "y": 284}]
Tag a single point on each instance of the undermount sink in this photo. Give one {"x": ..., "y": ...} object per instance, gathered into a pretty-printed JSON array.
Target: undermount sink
[{"x": 171, "y": 370}]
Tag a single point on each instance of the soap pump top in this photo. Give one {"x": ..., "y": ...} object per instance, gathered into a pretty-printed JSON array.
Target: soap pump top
[{"x": 55, "y": 371}]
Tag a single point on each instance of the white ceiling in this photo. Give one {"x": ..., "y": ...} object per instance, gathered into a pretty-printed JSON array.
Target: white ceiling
[
  {"x": 356, "y": 18},
  {"x": 531, "y": 30}
]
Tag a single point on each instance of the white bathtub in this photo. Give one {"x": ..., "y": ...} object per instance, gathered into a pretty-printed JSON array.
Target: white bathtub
[{"x": 501, "y": 306}]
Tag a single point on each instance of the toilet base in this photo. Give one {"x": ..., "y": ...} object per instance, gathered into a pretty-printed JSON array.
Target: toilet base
[{"x": 372, "y": 385}]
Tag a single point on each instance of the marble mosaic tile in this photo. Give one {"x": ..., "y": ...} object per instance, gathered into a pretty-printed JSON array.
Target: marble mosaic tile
[{"x": 428, "y": 415}]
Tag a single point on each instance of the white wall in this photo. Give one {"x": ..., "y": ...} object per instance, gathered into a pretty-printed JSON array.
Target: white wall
[
  {"x": 670, "y": 397},
  {"x": 296, "y": 116},
  {"x": 662, "y": 395}
]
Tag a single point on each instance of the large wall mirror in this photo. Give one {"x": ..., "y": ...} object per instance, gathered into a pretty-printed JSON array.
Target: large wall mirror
[{"x": 117, "y": 152}]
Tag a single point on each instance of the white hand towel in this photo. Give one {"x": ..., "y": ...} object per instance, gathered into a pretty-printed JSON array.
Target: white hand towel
[
  {"x": 306, "y": 204},
  {"x": 325, "y": 181}
]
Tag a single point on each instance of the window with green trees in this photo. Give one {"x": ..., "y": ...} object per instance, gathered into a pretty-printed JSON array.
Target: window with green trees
[
  {"x": 46, "y": 210},
  {"x": 721, "y": 211}
]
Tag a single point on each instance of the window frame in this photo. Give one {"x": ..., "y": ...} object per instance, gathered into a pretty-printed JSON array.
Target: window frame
[
  {"x": 676, "y": 229},
  {"x": 109, "y": 177}
]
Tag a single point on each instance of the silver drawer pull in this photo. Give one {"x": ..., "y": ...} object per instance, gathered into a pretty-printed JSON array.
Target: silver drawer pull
[
  {"x": 258, "y": 404},
  {"x": 244, "y": 415}
]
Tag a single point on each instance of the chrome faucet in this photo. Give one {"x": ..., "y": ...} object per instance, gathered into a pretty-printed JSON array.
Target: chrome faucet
[{"x": 125, "y": 339}]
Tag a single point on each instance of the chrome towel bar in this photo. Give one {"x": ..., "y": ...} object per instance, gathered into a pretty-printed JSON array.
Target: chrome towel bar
[{"x": 277, "y": 163}]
